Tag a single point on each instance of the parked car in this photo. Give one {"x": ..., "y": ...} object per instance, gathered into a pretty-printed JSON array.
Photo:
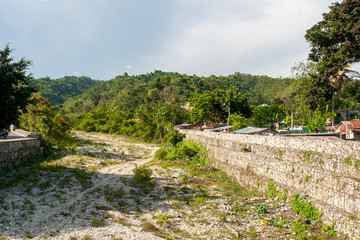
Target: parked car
[{"x": 4, "y": 133}]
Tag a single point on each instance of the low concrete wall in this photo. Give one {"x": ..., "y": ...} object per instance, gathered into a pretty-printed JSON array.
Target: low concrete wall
[
  {"x": 326, "y": 170},
  {"x": 13, "y": 151}
]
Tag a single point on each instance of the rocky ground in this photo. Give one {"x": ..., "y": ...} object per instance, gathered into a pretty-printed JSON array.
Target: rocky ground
[{"x": 91, "y": 193}]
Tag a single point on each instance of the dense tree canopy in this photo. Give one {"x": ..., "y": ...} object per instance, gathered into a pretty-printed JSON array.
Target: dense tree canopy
[
  {"x": 334, "y": 45},
  {"x": 266, "y": 116},
  {"x": 15, "y": 91},
  {"x": 214, "y": 106},
  {"x": 57, "y": 91}
]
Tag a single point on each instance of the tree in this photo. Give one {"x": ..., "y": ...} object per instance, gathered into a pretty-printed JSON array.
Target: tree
[
  {"x": 41, "y": 118},
  {"x": 317, "y": 123},
  {"x": 214, "y": 106},
  {"x": 15, "y": 91},
  {"x": 237, "y": 121},
  {"x": 266, "y": 116},
  {"x": 334, "y": 44}
]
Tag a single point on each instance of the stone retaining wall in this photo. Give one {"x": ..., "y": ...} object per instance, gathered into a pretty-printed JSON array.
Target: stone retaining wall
[
  {"x": 12, "y": 152},
  {"x": 326, "y": 170}
]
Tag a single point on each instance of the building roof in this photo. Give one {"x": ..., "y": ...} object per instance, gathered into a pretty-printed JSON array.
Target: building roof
[
  {"x": 353, "y": 125},
  {"x": 218, "y": 129},
  {"x": 250, "y": 130},
  {"x": 183, "y": 125},
  {"x": 301, "y": 128},
  {"x": 211, "y": 126}
]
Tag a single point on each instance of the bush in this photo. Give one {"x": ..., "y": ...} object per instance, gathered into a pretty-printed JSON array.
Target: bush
[
  {"x": 142, "y": 174},
  {"x": 173, "y": 137},
  {"x": 185, "y": 149},
  {"x": 303, "y": 208},
  {"x": 161, "y": 154},
  {"x": 40, "y": 117}
]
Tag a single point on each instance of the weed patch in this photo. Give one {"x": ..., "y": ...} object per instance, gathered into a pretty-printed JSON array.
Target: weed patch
[{"x": 303, "y": 208}]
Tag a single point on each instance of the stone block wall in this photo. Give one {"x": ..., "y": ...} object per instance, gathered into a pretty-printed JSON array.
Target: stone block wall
[
  {"x": 12, "y": 152},
  {"x": 326, "y": 170}
]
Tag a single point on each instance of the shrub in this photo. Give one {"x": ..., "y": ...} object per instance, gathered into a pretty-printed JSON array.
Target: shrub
[
  {"x": 173, "y": 137},
  {"x": 161, "y": 154},
  {"x": 303, "y": 208},
  {"x": 142, "y": 174}
]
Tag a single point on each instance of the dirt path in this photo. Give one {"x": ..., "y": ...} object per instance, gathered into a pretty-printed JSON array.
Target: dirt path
[{"x": 90, "y": 193}]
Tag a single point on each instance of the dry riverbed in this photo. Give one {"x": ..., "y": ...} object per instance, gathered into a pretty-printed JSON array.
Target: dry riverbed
[{"x": 90, "y": 193}]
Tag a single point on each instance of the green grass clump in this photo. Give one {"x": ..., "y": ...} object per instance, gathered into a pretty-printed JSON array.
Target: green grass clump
[
  {"x": 184, "y": 149},
  {"x": 142, "y": 175},
  {"x": 298, "y": 228},
  {"x": 348, "y": 161},
  {"x": 163, "y": 219},
  {"x": 303, "y": 208},
  {"x": 239, "y": 208},
  {"x": 271, "y": 188},
  {"x": 98, "y": 223}
]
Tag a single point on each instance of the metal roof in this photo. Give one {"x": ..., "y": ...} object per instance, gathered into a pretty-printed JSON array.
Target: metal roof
[
  {"x": 218, "y": 129},
  {"x": 249, "y": 130},
  {"x": 183, "y": 125}
]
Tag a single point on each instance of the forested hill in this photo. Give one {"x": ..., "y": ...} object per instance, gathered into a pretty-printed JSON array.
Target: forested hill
[
  {"x": 173, "y": 88},
  {"x": 57, "y": 91}
]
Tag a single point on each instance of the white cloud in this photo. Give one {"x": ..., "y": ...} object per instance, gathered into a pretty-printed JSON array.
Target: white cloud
[
  {"x": 250, "y": 37},
  {"x": 76, "y": 73},
  {"x": 128, "y": 67}
]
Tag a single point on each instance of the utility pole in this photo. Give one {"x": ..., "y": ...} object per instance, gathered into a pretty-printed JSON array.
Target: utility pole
[
  {"x": 228, "y": 120},
  {"x": 332, "y": 120}
]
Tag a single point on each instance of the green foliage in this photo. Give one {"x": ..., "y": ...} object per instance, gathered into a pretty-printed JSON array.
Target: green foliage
[
  {"x": 173, "y": 137},
  {"x": 334, "y": 45},
  {"x": 298, "y": 227},
  {"x": 303, "y": 208},
  {"x": 15, "y": 91},
  {"x": 317, "y": 123},
  {"x": 271, "y": 190},
  {"x": 41, "y": 118},
  {"x": 266, "y": 116},
  {"x": 161, "y": 153},
  {"x": 262, "y": 209},
  {"x": 238, "y": 121},
  {"x": 239, "y": 208},
  {"x": 173, "y": 88},
  {"x": 330, "y": 230},
  {"x": 142, "y": 174},
  {"x": 57, "y": 91},
  {"x": 348, "y": 161},
  {"x": 190, "y": 150},
  {"x": 98, "y": 222},
  {"x": 282, "y": 196},
  {"x": 357, "y": 163},
  {"x": 214, "y": 106},
  {"x": 163, "y": 219},
  {"x": 143, "y": 106},
  {"x": 146, "y": 122}
]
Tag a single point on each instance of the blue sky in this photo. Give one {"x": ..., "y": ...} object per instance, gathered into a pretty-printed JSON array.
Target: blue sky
[{"x": 105, "y": 38}]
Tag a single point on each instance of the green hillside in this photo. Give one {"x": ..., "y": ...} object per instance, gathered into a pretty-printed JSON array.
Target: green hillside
[
  {"x": 173, "y": 88},
  {"x": 146, "y": 105},
  {"x": 57, "y": 91}
]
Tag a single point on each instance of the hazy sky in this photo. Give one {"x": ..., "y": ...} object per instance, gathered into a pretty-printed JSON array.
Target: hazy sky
[{"x": 105, "y": 38}]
